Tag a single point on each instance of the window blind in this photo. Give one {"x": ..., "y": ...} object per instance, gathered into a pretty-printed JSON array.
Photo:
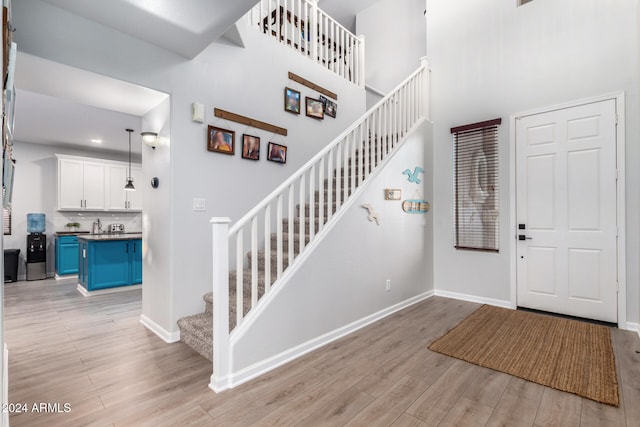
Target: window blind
[
  {"x": 6, "y": 217},
  {"x": 476, "y": 208},
  {"x": 6, "y": 221}
]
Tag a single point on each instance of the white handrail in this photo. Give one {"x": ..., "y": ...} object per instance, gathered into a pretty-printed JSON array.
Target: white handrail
[
  {"x": 315, "y": 159},
  {"x": 338, "y": 170}
]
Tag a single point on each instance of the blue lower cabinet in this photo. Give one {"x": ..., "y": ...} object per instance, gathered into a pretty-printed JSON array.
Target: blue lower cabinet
[
  {"x": 136, "y": 261},
  {"x": 110, "y": 263},
  {"x": 66, "y": 255}
]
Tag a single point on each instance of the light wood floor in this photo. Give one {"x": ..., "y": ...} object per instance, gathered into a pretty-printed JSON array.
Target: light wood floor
[{"x": 94, "y": 354}]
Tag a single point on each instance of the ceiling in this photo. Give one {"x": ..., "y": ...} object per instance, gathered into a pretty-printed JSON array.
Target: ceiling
[
  {"x": 185, "y": 27},
  {"x": 345, "y": 11},
  {"x": 73, "y": 106}
]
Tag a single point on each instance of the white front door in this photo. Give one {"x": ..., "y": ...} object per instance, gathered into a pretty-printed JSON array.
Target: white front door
[{"x": 566, "y": 211}]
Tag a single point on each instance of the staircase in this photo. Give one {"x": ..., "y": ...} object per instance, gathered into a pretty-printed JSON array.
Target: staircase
[
  {"x": 281, "y": 233},
  {"x": 197, "y": 330}
]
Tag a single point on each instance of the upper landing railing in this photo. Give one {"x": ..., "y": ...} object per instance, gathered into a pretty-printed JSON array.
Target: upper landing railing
[{"x": 301, "y": 25}]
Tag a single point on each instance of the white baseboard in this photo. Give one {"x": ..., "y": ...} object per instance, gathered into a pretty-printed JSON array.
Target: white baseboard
[
  {"x": 166, "y": 336},
  {"x": 630, "y": 326},
  {"x": 87, "y": 293},
  {"x": 473, "y": 298},
  {"x": 287, "y": 356}
]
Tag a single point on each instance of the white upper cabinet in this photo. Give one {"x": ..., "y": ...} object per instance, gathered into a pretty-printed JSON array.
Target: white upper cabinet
[
  {"x": 134, "y": 198},
  {"x": 117, "y": 198},
  {"x": 96, "y": 185},
  {"x": 70, "y": 184},
  {"x": 93, "y": 186},
  {"x": 80, "y": 185}
]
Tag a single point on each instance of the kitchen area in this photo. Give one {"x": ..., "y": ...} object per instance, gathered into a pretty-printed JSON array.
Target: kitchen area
[
  {"x": 96, "y": 222},
  {"x": 78, "y": 162}
]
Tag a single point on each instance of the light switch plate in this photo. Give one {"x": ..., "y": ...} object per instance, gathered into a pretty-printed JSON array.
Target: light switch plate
[
  {"x": 197, "y": 112},
  {"x": 199, "y": 204}
]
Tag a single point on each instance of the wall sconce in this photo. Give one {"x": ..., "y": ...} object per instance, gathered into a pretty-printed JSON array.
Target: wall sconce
[{"x": 150, "y": 138}]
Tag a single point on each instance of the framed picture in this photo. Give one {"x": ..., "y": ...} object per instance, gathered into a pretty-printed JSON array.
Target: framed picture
[
  {"x": 277, "y": 153},
  {"x": 221, "y": 140},
  {"x": 331, "y": 109},
  {"x": 324, "y": 100},
  {"x": 250, "y": 147},
  {"x": 315, "y": 108},
  {"x": 291, "y": 100}
]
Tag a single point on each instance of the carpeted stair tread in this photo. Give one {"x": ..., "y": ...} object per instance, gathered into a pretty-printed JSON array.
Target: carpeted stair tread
[{"x": 197, "y": 332}]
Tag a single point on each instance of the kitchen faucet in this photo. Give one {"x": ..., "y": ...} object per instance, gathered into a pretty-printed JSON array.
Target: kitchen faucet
[{"x": 97, "y": 226}]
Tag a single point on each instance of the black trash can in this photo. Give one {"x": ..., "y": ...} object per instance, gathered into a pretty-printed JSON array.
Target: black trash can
[{"x": 11, "y": 265}]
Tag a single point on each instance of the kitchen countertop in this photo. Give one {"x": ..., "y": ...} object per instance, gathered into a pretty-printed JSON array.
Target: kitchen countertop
[
  {"x": 110, "y": 236},
  {"x": 69, "y": 233}
]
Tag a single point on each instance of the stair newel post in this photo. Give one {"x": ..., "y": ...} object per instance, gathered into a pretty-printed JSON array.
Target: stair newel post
[
  {"x": 426, "y": 80},
  {"x": 221, "y": 349},
  {"x": 361, "y": 77},
  {"x": 313, "y": 33}
]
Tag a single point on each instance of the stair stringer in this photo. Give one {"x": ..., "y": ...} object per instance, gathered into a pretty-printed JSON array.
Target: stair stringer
[{"x": 277, "y": 331}]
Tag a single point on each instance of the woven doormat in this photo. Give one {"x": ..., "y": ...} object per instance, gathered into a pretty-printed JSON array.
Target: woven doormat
[{"x": 568, "y": 355}]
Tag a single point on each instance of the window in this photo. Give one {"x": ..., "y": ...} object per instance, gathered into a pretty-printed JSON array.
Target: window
[{"x": 476, "y": 207}]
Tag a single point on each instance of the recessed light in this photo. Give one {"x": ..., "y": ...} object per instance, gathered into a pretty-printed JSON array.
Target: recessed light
[{"x": 96, "y": 141}]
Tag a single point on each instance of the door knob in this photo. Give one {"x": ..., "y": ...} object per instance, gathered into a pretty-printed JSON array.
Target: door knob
[{"x": 523, "y": 237}]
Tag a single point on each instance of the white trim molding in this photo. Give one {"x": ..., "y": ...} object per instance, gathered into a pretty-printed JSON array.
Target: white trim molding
[
  {"x": 476, "y": 299},
  {"x": 619, "y": 98},
  {"x": 167, "y": 336},
  {"x": 87, "y": 293},
  {"x": 287, "y": 356},
  {"x": 633, "y": 327}
]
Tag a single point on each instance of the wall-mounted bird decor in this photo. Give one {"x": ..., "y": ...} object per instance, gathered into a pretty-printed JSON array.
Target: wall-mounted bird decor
[
  {"x": 413, "y": 176},
  {"x": 372, "y": 214}
]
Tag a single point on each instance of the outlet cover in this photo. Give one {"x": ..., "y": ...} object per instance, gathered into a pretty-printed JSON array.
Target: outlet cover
[{"x": 199, "y": 204}]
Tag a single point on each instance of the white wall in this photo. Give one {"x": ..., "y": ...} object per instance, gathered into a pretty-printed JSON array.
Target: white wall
[
  {"x": 247, "y": 81},
  {"x": 395, "y": 41},
  {"x": 344, "y": 281},
  {"x": 35, "y": 191},
  {"x": 491, "y": 59},
  {"x": 157, "y": 289}
]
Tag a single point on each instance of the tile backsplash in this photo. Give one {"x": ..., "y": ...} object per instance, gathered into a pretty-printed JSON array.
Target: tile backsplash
[{"x": 132, "y": 221}]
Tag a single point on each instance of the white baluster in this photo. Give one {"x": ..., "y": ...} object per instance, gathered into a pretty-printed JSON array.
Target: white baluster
[
  {"x": 254, "y": 261},
  {"x": 321, "y": 194},
  {"x": 302, "y": 214},
  {"x": 330, "y": 175},
  {"x": 345, "y": 168},
  {"x": 312, "y": 203},
  {"x": 291, "y": 222},
  {"x": 267, "y": 248},
  {"x": 338, "y": 174},
  {"x": 353, "y": 170},
  {"x": 314, "y": 29},
  {"x": 279, "y": 237},
  {"x": 239, "y": 277}
]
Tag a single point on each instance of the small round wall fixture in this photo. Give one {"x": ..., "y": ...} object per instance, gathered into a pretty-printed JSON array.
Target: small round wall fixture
[{"x": 155, "y": 182}]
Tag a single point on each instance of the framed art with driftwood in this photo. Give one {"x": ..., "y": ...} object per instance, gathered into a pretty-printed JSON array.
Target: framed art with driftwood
[
  {"x": 314, "y": 108},
  {"x": 291, "y": 100},
  {"x": 277, "y": 153},
  {"x": 250, "y": 147},
  {"x": 221, "y": 140}
]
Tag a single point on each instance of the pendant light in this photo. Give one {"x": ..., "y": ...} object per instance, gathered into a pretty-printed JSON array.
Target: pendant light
[{"x": 129, "y": 185}]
